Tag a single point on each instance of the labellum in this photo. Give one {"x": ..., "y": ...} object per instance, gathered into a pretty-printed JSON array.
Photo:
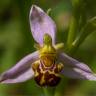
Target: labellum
[{"x": 46, "y": 69}]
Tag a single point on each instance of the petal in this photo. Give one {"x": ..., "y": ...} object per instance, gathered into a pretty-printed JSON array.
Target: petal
[
  {"x": 71, "y": 62},
  {"x": 78, "y": 73},
  {"x": 21, "y": 71},
  {"x": 40, "y": 24},
  {"x": 75, "y": 69},
  {"x": 28, "y": 74}
]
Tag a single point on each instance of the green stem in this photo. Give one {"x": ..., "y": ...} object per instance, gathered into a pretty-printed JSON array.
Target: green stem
[
  {"x": 72, "y": 31},
  {"x": 74, "y": 23},
  {"x": 48, "y": 91},
  {"x": 89, "y": 28}
]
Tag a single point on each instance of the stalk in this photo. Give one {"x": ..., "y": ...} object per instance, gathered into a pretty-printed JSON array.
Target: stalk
[{"x": 48, "y": 91}]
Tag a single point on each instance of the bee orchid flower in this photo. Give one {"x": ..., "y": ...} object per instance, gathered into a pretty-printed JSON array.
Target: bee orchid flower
[{"x": 48, "y": 63}]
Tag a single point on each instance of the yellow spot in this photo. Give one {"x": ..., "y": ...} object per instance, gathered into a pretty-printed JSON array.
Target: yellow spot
[
  {"x": 35, "y": 65},
  {"x": 36, "y": 73},
  {"x": 60, "y": 66},
  {"x": 47, "y": 50},
  {"x": 59, "y": 46},
  {"x": 48, "y": 60},
  {"x": 42, "y": 81},
  {"x": 52, "y": 72}
]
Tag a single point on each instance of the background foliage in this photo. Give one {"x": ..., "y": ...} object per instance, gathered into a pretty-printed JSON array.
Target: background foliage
[{"x": 16, "y": 41}]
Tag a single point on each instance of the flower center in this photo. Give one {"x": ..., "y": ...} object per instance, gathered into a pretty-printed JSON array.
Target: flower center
[{"x": 46, "y": 69}]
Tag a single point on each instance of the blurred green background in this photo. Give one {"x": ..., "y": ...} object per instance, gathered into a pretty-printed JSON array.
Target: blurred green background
[{"x": 16, "y": 41}]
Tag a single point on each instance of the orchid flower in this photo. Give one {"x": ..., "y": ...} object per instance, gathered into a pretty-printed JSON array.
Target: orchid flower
[{"x": 48, "y": 63}]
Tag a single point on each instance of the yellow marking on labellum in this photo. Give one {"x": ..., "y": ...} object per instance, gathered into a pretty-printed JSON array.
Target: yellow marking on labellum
[
  {"x": 35, "y": 65},
  {"x": 36, "y": 73},
  {"x": 46, "y": 70},
  {"x": 60, "y": 67},
  {"x": 42, "y": 81}
]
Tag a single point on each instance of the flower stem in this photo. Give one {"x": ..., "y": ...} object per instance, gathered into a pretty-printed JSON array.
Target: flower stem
[{"x": 48, "y": 91}]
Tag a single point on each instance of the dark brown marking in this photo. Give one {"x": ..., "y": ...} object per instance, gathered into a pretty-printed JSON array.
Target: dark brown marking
[{"x": 50, "y": 75}]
